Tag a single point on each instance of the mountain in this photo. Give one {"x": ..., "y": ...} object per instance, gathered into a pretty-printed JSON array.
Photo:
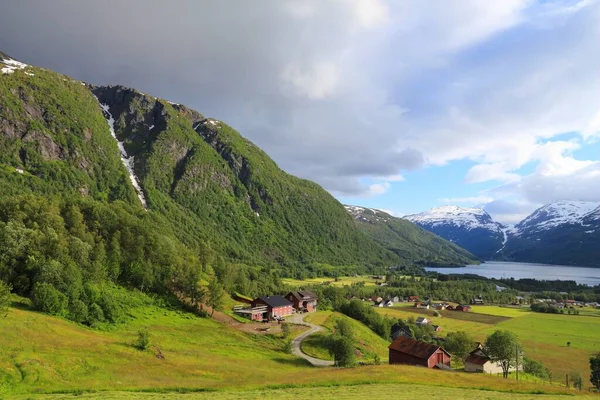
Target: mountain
[
  {"x": 565, "y": 232},
  {"x": 208, "y": 185},
  {"x": 408, "y": 240},
  {"x": 471, "y": 228}
]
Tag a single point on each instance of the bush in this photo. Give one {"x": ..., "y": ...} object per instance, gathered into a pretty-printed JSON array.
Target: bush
[
  {"x": 436, "y": 314},
  {"x": 78, "y": 311},
  {"x": 4, "y": 298},
  {"x": 48, "y": 299},
  {"x": 143, "y": 339},
  {"x": 95, "y": 314},
  {"x": 536, "y": 368},
  {"x": 288, "y": 346}
]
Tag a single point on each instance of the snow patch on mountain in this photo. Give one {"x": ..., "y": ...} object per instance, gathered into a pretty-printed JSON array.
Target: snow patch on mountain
[
  {"x": 559, "y": 213},
  {"x": 359, "y": 213},
  {"x": 10, "y": 65},
  {"x": 127, "y": 161},
  {"x": 468, "y": 218}
]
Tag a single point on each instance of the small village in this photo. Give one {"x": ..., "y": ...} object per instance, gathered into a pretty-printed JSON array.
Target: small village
[{"x": 404, "y": 349}]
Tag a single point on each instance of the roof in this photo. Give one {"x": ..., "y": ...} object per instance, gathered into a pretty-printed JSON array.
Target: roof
[
  {"x": 303, "y": 295},
  {"x": 475, "y": 359},
  {"x": 414, "y": 347},
  {"x": 421, "y": 319},
  {"x": 275, "y": 301}
]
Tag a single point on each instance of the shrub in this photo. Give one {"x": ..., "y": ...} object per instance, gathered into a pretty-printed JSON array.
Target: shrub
[
  {"x": 536, "y": 368},
  {"x": 4, "y": 298},
  {"x": 436, "y": 314},
  {"x": 48, "y": 299},
  {"x": 143, "y": 339},
  {"x": 95, "y": 314},
  {"x": 78, "y": 311}
]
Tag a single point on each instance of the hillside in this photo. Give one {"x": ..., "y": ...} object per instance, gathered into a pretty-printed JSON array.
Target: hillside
[
  {"x": 408, "y": 241},
  {"x": 210, "y": 183},
  {"x": 471, "y": 228},
  {"x": 64, "y": 137},
  {"x": 47, "y": 357}
]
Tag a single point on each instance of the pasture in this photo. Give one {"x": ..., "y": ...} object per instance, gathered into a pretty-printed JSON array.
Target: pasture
[
  {"x": 544, "y": 336},
  {"x": 349, "y": 392},
  {"x": 341, "y": 281},
  {"x": 40, "y": 354}
]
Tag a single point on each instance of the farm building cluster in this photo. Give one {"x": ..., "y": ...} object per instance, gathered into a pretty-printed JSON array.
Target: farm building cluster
[{"x": 275, "y": 307}]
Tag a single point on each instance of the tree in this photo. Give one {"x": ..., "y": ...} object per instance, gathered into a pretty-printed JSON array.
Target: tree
[
  {"x": 342, "y": 344},
  {"x": 205, "y": 254},
  {"x": 47, "y": 299},
  {"x": 285, "y": 330},
  {"x": 595, "y": 370},
  {"x": 459, "y": 344},
  {"x": 536, "y": 368},
  {"x": 504, "y": 348},
  {"x": 342, "y": 350},
  {"x": 216, "y": 295},
  {"x": 4, "y": 298}
]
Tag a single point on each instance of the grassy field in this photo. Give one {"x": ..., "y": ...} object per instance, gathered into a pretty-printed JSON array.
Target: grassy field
[
  {"x": 342, "y": 281},
  {"x": 544, "y": 336},
  {"x": 369, "y": 344},
  {"x": 40, "y": 354},
  {"x": 350, "y": 392}
]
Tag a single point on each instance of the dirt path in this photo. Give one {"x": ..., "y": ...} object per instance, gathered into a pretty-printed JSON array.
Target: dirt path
[{"x": 296, "y": 344}]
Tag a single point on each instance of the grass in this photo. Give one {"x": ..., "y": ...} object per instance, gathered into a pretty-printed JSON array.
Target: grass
[
  {"x": 544, "y": 336},
  {"x": 342, "y": 281},
  {"x": 42, "y": 354},
  {"x": 350, "y": 392},
  {"x": 369, "y": 344}
]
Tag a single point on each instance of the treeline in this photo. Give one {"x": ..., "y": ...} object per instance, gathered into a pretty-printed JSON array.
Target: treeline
[
  {"x": 550, "y": 309},
  {"x": 67, "y": 255}
]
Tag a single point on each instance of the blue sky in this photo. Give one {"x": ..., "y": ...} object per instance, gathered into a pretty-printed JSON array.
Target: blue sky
[{"x": 401, "y": 105}]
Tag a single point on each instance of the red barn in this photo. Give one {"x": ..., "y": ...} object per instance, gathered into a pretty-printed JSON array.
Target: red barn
[
  {"x": 303, "y": 300},
  {"x": 463, "y": 307},
  {"x": 404, "y": 350},
  {"x": 277, "y": 306}
]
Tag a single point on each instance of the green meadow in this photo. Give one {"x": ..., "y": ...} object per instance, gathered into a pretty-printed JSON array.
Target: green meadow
[
  {"x": 48, "y": 357},
  {"x": 544, "y": 336}
]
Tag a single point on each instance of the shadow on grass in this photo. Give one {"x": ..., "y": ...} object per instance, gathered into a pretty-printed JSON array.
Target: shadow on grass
[
  {"x": 22, "y": 304},
  {"x": 297, "y": 362}
]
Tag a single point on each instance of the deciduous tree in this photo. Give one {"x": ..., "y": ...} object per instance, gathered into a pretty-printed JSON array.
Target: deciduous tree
[{"x": 504, "y": 348}]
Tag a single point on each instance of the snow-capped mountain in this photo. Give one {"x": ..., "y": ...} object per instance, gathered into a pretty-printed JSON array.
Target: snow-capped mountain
[
  {"x": 564, "y": 232},
  {"x": 471, "y": 228},
  {"x": 556, "y": 214}
]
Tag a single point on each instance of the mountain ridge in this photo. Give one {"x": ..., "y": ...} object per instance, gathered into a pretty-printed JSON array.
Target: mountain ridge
[
  {"x": 212, "y": 185},
  {"x": 561, "y": 232}
]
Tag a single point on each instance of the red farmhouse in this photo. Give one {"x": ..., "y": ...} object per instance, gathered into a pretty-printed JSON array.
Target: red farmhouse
[
  {"x": 409, "y": 351},
  {"x": 277, "y": 306}
]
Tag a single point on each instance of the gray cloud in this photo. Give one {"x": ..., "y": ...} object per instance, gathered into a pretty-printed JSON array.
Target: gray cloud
[{"x": 339, "y": 92}]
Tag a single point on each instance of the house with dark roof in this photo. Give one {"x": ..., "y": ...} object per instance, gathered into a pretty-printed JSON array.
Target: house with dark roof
[
  {"x": 422, "y": 321},
  {"x": 277, "y": 306},
  {"x": 409, "y": 351},
  {"x": 398, "y": 330},
  {"x": 303, "y": 300},
  {"x": 463, "y": 307},
  {"x": 478, "y": 361}
]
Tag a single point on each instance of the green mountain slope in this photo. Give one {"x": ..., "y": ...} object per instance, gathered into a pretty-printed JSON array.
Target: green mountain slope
[
  {"x": 199, "y": 176},
  {"x": 408, "y": 241},
  {"x": 215, "y": 185}
]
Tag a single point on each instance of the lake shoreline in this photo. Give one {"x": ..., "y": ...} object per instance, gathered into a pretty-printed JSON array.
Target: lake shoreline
[{"x": 589, "y": 276}]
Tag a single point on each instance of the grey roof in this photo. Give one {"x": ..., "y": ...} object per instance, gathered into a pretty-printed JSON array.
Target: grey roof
[{"x": 275, "y": 301}]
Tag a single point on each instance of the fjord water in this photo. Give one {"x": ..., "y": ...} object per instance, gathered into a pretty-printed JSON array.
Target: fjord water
[{"x": 518, "y": 270}]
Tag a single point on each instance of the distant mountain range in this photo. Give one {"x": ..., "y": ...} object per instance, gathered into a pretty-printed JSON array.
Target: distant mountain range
[
  {"x": 408, "y": 241},
  {"x": 564, "y": 232}
]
